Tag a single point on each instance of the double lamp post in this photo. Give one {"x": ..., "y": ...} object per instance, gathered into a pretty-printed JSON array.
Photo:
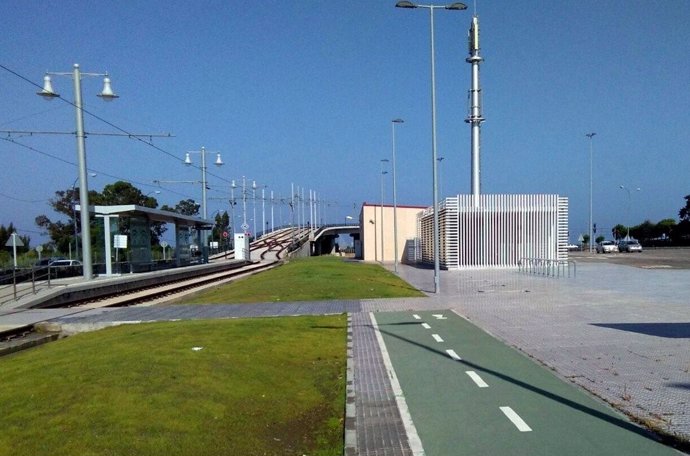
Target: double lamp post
[
  {"x": 434, "y": 161},
  {"x": 106, "y": 94}
]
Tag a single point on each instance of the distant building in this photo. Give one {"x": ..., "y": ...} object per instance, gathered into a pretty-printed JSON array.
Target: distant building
[
  {"x": 377, "y": 232},
  {"x": 499, "y": 232}
]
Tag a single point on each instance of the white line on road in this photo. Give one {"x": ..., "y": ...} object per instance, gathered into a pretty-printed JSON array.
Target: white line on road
[
  {"x": 412, "y": 436},
  {"x": 437, "y": 338},
  {"x": 453, "y": 355},
  {"x": 477, "y": 379},
  {"x": 439, "y": 316},
  {"x": 515, "y": 418},
  {"x": 416, "y": 317},
  {"x": 426, "y": 326}
]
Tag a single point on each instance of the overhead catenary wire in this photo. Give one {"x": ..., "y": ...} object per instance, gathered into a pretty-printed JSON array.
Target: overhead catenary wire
[{"x": 174, "y": 155}]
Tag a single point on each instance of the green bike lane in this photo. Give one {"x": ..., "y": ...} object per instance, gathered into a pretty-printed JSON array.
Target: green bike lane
[{"x": 494, "y": 400}]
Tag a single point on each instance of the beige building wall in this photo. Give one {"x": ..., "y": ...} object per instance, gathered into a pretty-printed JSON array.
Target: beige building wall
[{"x": 377, "y": 231}]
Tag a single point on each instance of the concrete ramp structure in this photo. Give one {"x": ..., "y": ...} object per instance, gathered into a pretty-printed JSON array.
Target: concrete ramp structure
[{"x": 502, "y": 231}]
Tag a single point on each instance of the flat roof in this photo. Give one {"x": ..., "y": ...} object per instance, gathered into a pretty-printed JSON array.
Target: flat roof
[{"x": 154, "y": 214}]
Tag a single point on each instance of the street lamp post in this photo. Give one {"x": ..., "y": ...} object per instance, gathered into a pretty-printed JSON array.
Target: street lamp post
[
  {"x": 263, "y": 210},
  {"x": 254, "y": 206},
  {"x": 74, "y": 217},
  {"x": 627, "y": 216},
  {"x": 383, "y": 173},
  {"x": 188, "y": 162},
  {"x": 232, "y": 207},
  {"x": 395, "y": 200},
  {"x": 107, "y": 95},
  {"x": 431, "y": 8},
  {"x": 440, "y": 175},
  {"x": 272, "y": 204},
  {"x": 245, "y": 227},
  {"x": 591, "y": 226}
]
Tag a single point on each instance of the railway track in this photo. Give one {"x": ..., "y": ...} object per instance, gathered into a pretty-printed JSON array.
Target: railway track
[{"x": 271, "y": 250}]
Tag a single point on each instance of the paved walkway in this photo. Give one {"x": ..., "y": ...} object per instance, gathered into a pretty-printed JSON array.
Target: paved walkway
[{"x": 621, "y": 333}]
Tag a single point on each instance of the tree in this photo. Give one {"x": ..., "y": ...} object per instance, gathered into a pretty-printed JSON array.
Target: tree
[
  {"x": 119, "y": 193},
  {"x": 684, "y": 212},
  {"x": 184, "y": 207},
  {"x": 599, "y": 239},
  {"x": 619, "y": 231},
  {"x": 644, "y": 231},
  {"x": 664, "y": 228},
  {"x": 222, "y": 225},
  {"x": 682, "y": 232},
  {"x": 61, "y": 233}
]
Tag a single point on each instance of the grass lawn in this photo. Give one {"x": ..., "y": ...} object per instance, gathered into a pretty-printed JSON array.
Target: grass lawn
[
  {"x": 256, "y": 387},
  {"x": 310, "y": 279}
]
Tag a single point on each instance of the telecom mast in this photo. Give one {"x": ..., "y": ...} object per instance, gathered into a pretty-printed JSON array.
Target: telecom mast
[{"x": 474, "y": 117}]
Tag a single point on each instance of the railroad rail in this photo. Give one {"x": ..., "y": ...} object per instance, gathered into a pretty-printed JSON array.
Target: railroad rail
[{"x": 165, "y": 285}]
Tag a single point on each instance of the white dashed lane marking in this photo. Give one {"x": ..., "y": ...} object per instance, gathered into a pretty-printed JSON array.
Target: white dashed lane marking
[
  {"x": 416, "y": 317},
  {"x": 477, "y": 379},
  {"x": 453, "y": 355},
  {"x": 516, "y": 420},
  {"x": 426, "y": 326},
  {"x": 439, "y": 316},
  {"x": 437, "y": 338}
]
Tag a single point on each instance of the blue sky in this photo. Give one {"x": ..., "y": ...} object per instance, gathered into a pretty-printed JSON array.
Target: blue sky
[{"x": 304, "y": 92}]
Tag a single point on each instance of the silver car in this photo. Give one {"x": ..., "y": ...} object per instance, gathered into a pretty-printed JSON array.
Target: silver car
[
  {"x": 607, "y": 247},
  {"x": 629, "y": 246}
]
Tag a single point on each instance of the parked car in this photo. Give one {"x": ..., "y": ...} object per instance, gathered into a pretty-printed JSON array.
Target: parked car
[
  {"x": 607, "y": 247},
  {"x": 629, "y": 246},
  {"x": 47, "y": 261},
  {"x": 573, "y": 247},
  {"x": 59, "y": 263}
]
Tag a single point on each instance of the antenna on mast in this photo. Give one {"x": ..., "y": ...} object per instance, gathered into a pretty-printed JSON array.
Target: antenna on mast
[{"x": 474, "y": 117}]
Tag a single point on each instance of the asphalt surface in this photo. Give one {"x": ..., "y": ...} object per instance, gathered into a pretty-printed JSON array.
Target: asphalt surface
[
  {"x": 649, "y": 258},
  {"x": 470, "y": 394}
]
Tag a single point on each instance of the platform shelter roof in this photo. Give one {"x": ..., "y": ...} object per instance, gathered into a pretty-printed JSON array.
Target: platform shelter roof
[{"x": 153, "y": 214}]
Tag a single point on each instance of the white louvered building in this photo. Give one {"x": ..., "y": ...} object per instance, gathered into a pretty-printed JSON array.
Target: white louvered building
[{"x": 499, "y": 232}]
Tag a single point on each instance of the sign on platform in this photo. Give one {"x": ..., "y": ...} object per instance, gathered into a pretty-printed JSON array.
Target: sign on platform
[{"x": 120, "y": 241}]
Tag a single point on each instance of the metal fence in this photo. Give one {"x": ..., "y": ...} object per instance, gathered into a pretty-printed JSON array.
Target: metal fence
[{"x": 549, "y": 268}]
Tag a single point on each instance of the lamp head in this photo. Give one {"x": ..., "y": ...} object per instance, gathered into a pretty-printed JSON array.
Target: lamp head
[
  {"x": 219, "y": 161},
  {"x": 405, "y": 4},
  {"x": 187, "y": 159},
  {"x": 47, "y": 93},
  {"x": 456, "y": 6},
  {"x": 398, "y": 121},
  {"x": 107, "y": 93}
]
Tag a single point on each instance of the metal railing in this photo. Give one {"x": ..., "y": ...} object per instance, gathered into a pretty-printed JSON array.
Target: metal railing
[
  {"x": 22, "y": 282},
  {"x": 546, "y": 267}
]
